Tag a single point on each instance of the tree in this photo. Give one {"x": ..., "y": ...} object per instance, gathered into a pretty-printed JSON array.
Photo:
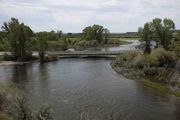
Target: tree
[
  {"x": 163, "y": 31},
  {"x": 52, "y": 36},
  {"x": 146, "y": 37},
  {"x": 18, "y": 35},
  {"x": 160, "y": 31},
  {"x": 88, "y": 33},
  {"x": 4, "y": 44},
  {"x": 106, "y": 35},
  {"x": 97, "y": 33},
  {"x": 59, "y": 33},
  {"x": 42, "y": 43}
]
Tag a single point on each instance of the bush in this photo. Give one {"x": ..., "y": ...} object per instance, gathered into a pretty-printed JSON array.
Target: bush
[
  {"x": 151, "y": 61},
  {"x": 7, "y": 57},
  {"x": 11, "y": 106},
  {"x": 130, "y": 56},
  {"x": 157, "y": 66},
  {"x": 14, "y": 106},
  {"x": 139, "y": 62},
  {"x": 50, "y": 58},
  {"x": 57, "y": 45},
  {"x": 164, "y": 58},
  {"x": 46, "y": 113},
  {"x": 150, "y": 71},
  {"x": 93, "y": 43}
]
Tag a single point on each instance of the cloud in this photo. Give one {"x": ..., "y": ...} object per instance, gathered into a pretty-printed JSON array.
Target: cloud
[{"x": 74, "y": 15}]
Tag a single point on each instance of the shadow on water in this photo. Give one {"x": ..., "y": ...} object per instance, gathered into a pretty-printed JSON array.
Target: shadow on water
[
  {"x": 43, "y": 74},
  {"x": 20, "y": 75}
]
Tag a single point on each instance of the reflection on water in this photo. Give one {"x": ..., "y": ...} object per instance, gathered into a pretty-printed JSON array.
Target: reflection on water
[{"x": 81, "y": 89}]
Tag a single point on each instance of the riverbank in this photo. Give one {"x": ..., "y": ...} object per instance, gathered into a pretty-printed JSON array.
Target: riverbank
[
  {"x": 163, "y": 88},
  {"x": 51, "y": 58},
  {"x": 34, "y": 58},
  {"x": 160, "y": 78},
  {"x": 9, "y": 63}
]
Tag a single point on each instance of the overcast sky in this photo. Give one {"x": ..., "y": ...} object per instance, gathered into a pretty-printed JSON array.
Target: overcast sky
[{"x": 74, "y": 15}]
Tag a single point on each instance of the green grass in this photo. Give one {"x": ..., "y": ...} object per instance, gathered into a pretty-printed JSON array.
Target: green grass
[
  {"x": 160, "y": 87},
  {"x": 157, "y": 86}
]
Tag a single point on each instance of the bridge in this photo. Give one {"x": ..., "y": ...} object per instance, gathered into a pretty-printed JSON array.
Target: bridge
[{"x": 87, "y": 53}]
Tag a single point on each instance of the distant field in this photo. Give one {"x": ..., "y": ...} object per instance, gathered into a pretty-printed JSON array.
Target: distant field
[
  {"x": 117, "y": 38},
  {"x": 128, "y": 38}
]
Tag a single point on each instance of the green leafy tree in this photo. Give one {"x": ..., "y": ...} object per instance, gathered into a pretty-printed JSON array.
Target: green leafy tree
[
  {"x": 163, "y": 31},
  {"x": 18, "y": 35},
  {"x": 88, "y": 33},
  {"x": 52, "y": 36},
  {"x": 160, "y": 31},
  {"x": 146, "y": 37},
  {"x": 42, "y": 43},
  {"x": 59, "y": 33},
  {"x": 106, "y": 35},
  {"x": 97, "y": 33}
]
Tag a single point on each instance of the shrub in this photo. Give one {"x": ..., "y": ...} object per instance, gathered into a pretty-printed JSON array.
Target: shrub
[
  {"x": 139, "y": 62},
  {"x": 7, "y": 57},
  {"x": 14, "y": 106},
  {"x": 50, "y": 58},
  {"x": 156, "y": 66},
  {"x": 164, "y": 58},
  {"x": 46, "y": 113},
  {"x": 151, "y": 61},
  {"x": 94, "y": 43},
  {"x": 150, "y": 71},
  {"x": 129, "y": 56}
]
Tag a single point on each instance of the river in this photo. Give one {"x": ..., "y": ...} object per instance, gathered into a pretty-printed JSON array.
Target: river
[{"x": 89, "y": 89}]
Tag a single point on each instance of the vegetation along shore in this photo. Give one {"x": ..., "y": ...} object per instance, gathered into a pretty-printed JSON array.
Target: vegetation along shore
[{"x": 156, "y": 66}]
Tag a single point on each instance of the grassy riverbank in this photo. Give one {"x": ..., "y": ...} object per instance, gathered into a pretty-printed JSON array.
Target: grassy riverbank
[
  {"x": 155, "y": 71},
  {"x": 9, "y": 59}
]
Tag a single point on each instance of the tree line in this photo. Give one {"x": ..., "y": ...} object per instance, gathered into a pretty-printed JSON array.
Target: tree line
[{"x": 21, "y": 40}]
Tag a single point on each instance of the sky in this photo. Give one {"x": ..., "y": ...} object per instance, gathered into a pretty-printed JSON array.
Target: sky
[{"x": 74, "y": 15}]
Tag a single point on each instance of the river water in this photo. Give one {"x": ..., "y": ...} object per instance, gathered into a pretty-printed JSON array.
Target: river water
[{"x": 88, "y": 89}]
